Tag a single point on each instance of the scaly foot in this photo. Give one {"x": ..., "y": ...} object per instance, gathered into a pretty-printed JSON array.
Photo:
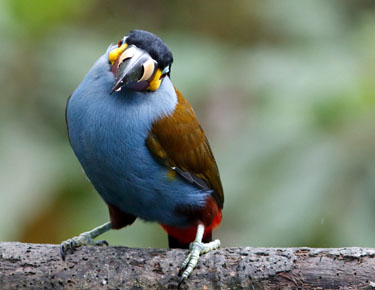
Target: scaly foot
[
  {"x": 84, "y": 239},
  {"x": 197, "y": 248}
]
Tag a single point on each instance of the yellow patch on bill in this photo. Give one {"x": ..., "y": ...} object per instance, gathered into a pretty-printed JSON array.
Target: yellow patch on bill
[
  {"x": 156, "y": 81},
  {"x": 114, "y": 54}
]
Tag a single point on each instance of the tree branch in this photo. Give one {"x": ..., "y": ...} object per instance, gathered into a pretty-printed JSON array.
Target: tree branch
[{"x": 35, "y": 266}]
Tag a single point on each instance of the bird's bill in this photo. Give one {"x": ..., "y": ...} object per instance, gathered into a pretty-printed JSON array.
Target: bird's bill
[{"x": 134, "y": 68}]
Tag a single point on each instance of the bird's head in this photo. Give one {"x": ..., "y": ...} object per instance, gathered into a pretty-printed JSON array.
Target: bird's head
[{"x": 140, "y": 61}]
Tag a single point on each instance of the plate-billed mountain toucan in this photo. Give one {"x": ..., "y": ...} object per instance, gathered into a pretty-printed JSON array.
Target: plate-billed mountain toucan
[{"x": 141, "y": 146}]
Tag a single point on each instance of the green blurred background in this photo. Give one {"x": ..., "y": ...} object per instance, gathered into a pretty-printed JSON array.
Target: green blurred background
[{"x": 285, "y": 91}]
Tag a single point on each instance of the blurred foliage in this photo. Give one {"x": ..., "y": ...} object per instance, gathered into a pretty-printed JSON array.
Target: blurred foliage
[{"x": 284, "y": 89}]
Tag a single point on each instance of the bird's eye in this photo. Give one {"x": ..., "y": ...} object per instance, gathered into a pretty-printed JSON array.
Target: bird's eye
[
  {"x": 121, "y": 42},
  {"x": 148, "y": 70},
  {"x": 164, "y": 73}
]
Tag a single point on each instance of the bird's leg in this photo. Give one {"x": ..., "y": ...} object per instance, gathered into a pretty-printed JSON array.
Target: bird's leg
[
  {"x": 85, "y": 239},
  {"x": 197, "y": 248}
]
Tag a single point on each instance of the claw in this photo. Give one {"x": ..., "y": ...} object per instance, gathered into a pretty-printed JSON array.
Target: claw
[
  {"x": 197, "y": 248},
  {"x": 62, "y": 252},
  {"x": 65, "y": 247},
  {"x": 102, "y": 243},
  {"x": 184, "y": 264},
  {"x": 84, "y": 239},
  {"x": 76, "y": 242},
  {"x": 182, "y": 279}
]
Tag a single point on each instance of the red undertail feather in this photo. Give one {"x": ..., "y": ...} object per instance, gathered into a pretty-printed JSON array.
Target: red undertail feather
[{"x": 210, "y": 216}]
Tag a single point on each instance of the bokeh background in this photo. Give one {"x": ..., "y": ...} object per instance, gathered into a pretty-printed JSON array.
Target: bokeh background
[{"x": 285, "y": 91}]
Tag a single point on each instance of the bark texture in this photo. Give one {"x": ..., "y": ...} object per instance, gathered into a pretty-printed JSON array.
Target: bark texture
[{"x": 35, "y": 266}]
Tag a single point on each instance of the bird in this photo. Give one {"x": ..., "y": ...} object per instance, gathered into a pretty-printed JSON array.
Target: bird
[{"x": 141, "y": 146}]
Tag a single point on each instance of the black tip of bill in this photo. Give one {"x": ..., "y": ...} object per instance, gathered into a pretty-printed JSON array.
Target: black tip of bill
[{"x": 116, "y": 87}]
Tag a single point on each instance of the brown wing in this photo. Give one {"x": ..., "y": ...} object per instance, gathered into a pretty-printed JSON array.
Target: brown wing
[{"x": 179, "y": 142}]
